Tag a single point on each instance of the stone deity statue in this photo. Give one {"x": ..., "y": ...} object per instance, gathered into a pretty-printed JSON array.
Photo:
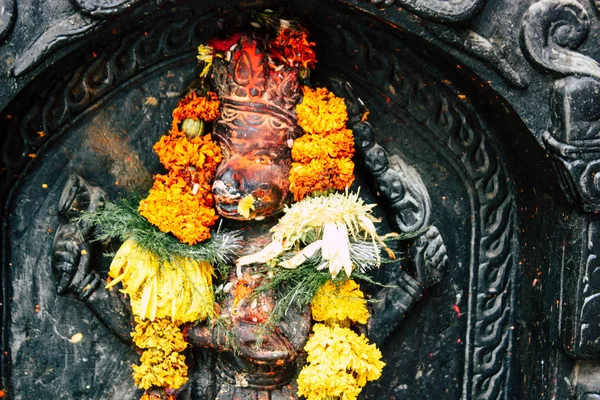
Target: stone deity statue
[{"x": 255, "y": 131}]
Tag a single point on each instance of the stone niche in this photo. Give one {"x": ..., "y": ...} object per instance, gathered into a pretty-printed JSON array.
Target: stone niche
[{"x": 483, "y": 138}]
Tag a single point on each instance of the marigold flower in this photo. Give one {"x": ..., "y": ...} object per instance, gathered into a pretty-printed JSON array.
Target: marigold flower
[
  {"x": 172, "y": 207},
  {"x": 246, "y": 205},
  {"x": 292, "y": 47},
  {"x": 177, "y": 151},
  {"x": 339, "y": 364},
  {"x": 322, "y": 157},
  {"x": 340, "y": 302},
  {"x": 321, "y": 111},
  {"x": 320, "y": 175},
  {"x": 161, "y": 333},
  {"x": 160, "y": 369},
  {"x": 180, "y": 289},
  {"x": 162, "y": 365},
  {"x": 338, "y": 144}
]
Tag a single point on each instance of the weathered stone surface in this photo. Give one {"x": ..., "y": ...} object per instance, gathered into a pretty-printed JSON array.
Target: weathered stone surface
[{"x": 482, "y": 130}]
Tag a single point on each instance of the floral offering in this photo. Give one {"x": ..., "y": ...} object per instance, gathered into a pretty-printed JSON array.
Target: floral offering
[{"x": 318, "y": 247}]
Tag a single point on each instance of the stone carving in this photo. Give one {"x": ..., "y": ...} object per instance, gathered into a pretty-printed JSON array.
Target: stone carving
[
  {"x": 399, "y": 183},
  {"x": 438, "y": 10},
  {"x": 430, "y": 256},
  {"x": 482, "y": 49},
  {"x": 266, "y": 369},
  {"x": 73, "y": 94},
  {"x": 405, "y": 195},
  {"x": 494, "y": 213},
  {"x": 257, "y": 121},
  {"x": 106, "y": 8},
  {"x": 62, "y": 33},
  {"x": 588, "y": 340},
  {"x": 92, "y": 15},
  {"x": 550, "y": 33},
  {"x": 581, "y": 328},
  {"x": 488, "y": 371},
  {"x": 8, "y": 12}
]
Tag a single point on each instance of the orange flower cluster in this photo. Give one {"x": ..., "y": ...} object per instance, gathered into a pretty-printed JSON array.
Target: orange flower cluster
[
  {"x": 194, "y": 107},
  {"x": 292, "y": 47},
  {"x": 181, "y": 202},
  {"x": 177, "y": 152},
  {"x": 322, "y": 157},
  {"x": 321, "y": 111},
  {"x": 172, "y": 206}
]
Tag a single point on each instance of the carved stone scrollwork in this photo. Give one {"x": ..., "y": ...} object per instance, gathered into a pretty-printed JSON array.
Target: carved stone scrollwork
[
  {"x": 550, "y": 33},
  {"x": 482, "y": 49},
  {"x": 90, "y": 15},
  {"x": 493, "y": 309},
  {"x": 581, "y": 335},
  {"x": 106, "y": 8},
  {"x": 8, "y": 12},
  {"x": 438, "y": 10}
]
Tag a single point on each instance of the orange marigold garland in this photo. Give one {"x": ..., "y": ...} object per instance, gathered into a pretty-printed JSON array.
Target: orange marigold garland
[
  {"x": 173, "y": 207},
  {"x": 322, "y": 157},
  {"x": 321, "y": 111},
  {"x": 181, "y": 202}
]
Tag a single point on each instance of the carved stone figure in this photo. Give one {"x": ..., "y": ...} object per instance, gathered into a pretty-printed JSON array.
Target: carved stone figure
[{"x": 255, "y": 131}]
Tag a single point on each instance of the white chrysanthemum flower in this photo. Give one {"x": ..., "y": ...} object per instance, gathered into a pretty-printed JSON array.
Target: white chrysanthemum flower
[
  {"x": 336, "y": 249},
  {"x": 326, "y": 224}
]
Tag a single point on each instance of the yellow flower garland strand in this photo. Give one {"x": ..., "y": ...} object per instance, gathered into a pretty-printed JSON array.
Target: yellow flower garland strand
[
  {"x": 162, "y": 365},
  {"x": 340, "y": 363}
]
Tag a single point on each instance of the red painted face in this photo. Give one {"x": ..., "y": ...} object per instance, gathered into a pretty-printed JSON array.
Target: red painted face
[{"x": 254, "y": 131}]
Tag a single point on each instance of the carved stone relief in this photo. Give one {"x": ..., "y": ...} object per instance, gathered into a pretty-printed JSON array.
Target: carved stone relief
[
  {"x": 7, "y": 18},
  {"x": 551, "y": 32},
  {"x": 483, "y": 263},
  {"x": 88, "y": 16},
  {"x": 464, "y": 255},
  {"x": 492, "y": 337},
  {"x": 438, "y": 10}
]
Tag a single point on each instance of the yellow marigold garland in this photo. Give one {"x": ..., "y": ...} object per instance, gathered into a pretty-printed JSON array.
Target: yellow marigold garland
[
  {"x": 162, "y": 365},
  {"x": 340, "y": 363},
  {"x": 165, "y": 294},
  {"x": 338, "y": 144},
  {"x": 341, "y": 303}
]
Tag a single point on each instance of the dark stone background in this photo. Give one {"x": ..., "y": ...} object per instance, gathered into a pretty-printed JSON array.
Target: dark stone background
[{"x": 462, "y": 100}]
